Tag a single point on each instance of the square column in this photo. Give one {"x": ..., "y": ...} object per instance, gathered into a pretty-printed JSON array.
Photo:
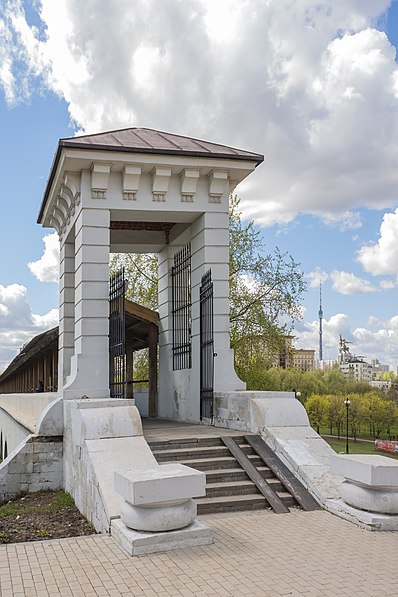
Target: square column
[
  {"x": 90, "y": 362},
  {"x": 66, "y": 339},
  {"x": 210, "y": 250}
]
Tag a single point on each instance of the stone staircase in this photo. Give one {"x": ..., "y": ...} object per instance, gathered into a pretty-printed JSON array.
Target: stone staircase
[{"x": 228, "y": 487}]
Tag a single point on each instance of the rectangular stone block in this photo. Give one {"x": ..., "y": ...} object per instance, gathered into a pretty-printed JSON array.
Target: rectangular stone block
[
  {"x": 369, "y": 469},
  {"x": 138, "y": 543},
  {"x": 163, "y": 483}
]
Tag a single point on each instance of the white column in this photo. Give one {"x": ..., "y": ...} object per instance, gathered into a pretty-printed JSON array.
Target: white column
[
  {"x": 90, "y": 363},
  {"x": 210, "y": 250},
  {"x": 166, "y": 406},
  {"x": 66, "y": 312}
]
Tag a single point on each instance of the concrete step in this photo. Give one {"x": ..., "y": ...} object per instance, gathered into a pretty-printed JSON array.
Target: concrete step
[
  {"x": 230, "y": 488},
  {"x": 233, "y": 503},
  {"x": 189, "y": 442},
  {"x": 234, "y": 474},
  {"x": 178, "y": 454},
  {"x": 210, "y": 464}
]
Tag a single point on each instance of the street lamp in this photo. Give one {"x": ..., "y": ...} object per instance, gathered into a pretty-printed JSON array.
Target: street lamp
[
  {"x": 298, "y": 395},
  {"x": 347, "y": 404}
]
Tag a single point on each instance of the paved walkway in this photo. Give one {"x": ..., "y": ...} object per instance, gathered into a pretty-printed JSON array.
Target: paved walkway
[{"x": 311, "y": 554}]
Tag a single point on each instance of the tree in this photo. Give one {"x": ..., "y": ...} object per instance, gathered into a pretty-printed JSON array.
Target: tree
[
  {"x": 141, "y": 271},
  {"x": 336, "y": 412},
  {"x": 265, "y": 292},
  {"x": 316, "y": 407}
]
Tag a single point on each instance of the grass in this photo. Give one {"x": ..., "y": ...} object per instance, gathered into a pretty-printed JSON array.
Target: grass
[
  {"x": 61, "y": 500},
  {"x": 358, "y": 447},
  {"x": 362, "y": 434}
]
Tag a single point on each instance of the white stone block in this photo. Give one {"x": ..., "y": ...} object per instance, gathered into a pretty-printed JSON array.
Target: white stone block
[
  {"x": 137, "y": 543},
  {"x": 164, "y": 483},
  {"x": 368, "y": 469}
]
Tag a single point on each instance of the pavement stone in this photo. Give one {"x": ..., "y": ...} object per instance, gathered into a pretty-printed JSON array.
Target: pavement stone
[{"x": 301, "y": 554}]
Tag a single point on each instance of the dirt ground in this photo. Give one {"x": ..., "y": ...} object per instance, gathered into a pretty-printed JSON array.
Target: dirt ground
[{"x": 41, "y": 515}]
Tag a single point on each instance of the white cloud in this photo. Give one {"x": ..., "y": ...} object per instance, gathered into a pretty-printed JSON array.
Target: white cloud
[
  {"x": 46, "y": 269},
  {"x": 388, "y": 284},
  {"x": 349, "y": 284},
  {"x": 382, "y": 257},
  {"x": 347, "y": 220},
  {"x": 18, "y": 324},
  {"x": 378, "y": 341},
  {"x": 317, "y": 277},
  {"x": 321, "y": 102}
]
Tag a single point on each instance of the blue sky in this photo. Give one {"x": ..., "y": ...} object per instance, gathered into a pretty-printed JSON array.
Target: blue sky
[{"x": 320, "y": 103}]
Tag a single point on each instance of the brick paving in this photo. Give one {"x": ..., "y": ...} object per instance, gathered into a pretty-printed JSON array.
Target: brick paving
[{"x": 311, "y": 554}]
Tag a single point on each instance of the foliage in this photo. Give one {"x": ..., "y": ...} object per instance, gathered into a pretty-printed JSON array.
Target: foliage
[
  {"x": 265, "y": 292},
  {"x": 305, "y": 382},
  {"x": 316, "y": 407},
  {"x": 370, "y": 411},
  {"x": 141, "y": 271}
]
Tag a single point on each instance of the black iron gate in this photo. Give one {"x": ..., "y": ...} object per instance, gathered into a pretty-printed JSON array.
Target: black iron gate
[
  {"x": 117, "y": 340},
  {"x": 181, "y": 308},
  {"x": 206, "y": 347}
]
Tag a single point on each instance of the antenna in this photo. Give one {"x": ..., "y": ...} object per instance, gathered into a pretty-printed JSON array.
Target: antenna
[{"x": 320, "y": 314}]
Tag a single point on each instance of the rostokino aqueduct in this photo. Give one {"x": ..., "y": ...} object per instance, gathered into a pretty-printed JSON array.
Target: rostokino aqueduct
[{"x": 141, "y": 190}]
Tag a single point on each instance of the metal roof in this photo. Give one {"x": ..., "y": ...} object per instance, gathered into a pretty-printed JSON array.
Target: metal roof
[{"x": 143, "y": 140}]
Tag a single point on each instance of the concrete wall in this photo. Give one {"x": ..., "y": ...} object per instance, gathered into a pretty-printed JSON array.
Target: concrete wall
[
  {"x": 12, "y": 433},
  {"x": 34, "y": 461},
  {"x": 26, "y": 408},
  {"x": 34, "y": 465}
]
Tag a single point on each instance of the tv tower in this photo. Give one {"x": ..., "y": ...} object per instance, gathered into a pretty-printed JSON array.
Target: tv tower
[{"x": 320, "y": 314}]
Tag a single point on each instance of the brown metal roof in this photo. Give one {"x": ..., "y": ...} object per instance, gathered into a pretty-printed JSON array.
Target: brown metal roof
[{"x": 144, "y": 140}]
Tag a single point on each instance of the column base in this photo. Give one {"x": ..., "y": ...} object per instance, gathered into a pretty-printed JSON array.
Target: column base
[{"x": 136, "y": 543}]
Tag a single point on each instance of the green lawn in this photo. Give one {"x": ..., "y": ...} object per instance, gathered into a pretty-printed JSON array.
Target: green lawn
[
  {"x": 358, "y": 447},
  {"x": 363, "y": 434}
]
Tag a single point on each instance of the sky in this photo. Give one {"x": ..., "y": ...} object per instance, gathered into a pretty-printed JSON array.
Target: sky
[{"x": 311, "y": 84}]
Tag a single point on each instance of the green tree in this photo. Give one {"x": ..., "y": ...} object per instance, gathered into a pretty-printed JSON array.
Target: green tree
[
  {"x": 336, "y": 412},
  {"x": 316, "y": 407},
  {"x": 141, "y": 270},
  {"x": 265, "y": 294},
  {"x": 265, "y": 291},
  {"x": 356, "y": 413}
]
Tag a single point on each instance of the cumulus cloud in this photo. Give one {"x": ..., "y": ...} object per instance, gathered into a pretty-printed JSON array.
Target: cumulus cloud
[
  {"x": 18, "y": 324},
  {"x": 308, "y": 334},
  {"x": 379, "y": 341},
  {"x": 321, "y": 102},
  {"x": 382, "y": 257},
  {"x": 316, "y": 277},
  {"x": 46, "y": 269},
  {"x": 349, "y": 284}
]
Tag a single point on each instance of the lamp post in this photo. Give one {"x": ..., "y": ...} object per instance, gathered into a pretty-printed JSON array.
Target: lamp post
[
  {"x": 347, "y": 405},
  {"x": 298, "y": 396}
]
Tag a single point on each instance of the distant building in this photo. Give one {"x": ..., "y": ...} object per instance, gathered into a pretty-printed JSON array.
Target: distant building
[
  {"x": 351, "y": 365},
  {"x": 304, "y": 359},
  {"x": 326, "y": 364},
  {"x": 357, "y": 370}
]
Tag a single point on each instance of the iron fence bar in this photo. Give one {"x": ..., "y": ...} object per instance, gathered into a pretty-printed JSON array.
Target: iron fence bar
[
  {"x": 206, "y": 347},
  {"x": 117, "y": 340},
  {"x": 181, "y": 308}
]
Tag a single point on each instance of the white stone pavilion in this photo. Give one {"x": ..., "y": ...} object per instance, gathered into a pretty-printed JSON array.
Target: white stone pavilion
[{"x": 141, "y": 190}]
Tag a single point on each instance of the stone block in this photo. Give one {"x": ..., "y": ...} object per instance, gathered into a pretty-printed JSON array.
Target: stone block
[
  {"x": 164, "y": 483},
  {"x": 369, "y": 469},
  {"x": 136, "y": 543}
]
